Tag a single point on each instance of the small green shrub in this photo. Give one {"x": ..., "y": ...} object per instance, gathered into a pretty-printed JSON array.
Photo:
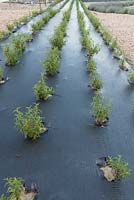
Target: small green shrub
[
  {"x": 96, "y": 81},
  {"x": 10, "y": 54},
  {"x": 14, "y": 51},
  {"x": 113, "y": 45},
  {"x": 1, "y": 73},
  {"x": 117, "y": 53},
  {"x": 29, "y": 123},
  {"x": 10, "y": 27},
  {"x": 99, "y": 111},
  {"x": 122, "y": 64},
  {"x": 14, "y": 187},
  {"x": 131, "y": 77},
  {"x": 92, "y": 49},
  {"x": 3, "y": 35},
  {"x": 41, "y": 90},
  {"x": 120, "y": 166},
  {"x": 52, "y": 63},
  {"x": 18, "y": 43},
  {"x": 58, "y": 39},
  {"x": 91, "y": 66}
]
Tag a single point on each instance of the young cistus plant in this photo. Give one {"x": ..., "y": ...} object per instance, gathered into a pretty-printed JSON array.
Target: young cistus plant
[
  {"x": 100, "y": 111},
  {"x": 41, "y": 90},
  {"x": 14, "y": 51},
  {"x": 120, "y": 167},
  {"x": 14, "y": 187},
  {"x": 122, "y": 64},
  {"x": 96, "y": 82},
  {"x": 52, "y": 62},
  {"x": 16, "y": 190},
  {"x": 91, "y": 66},
  {"x": 131, "y": 76},
  {"x": 30, "y": 123}
]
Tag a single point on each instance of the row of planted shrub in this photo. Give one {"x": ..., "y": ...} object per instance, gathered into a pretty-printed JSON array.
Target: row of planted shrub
[
  {"x": 99, "y": 111},
  {"x": 22, "y": 21},
  {"x": 13, "y": 51},
  {"x": 114, "y": 168},
  {"x": 30, "y": 123},
  {"x": 111, "y": 42}
]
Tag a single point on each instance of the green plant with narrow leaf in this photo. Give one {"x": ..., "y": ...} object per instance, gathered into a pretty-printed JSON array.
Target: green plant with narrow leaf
[
  {"x": 52, "y": 63},
  {"x": 41, "y": 90},
  {"x": 100, "y": 111},
  {"x": 10, "y": 27},
  {"x": 122, "y": 64},
  {"x": 131, "y": 76},
  {"x": 91, "y": 66},
  {"x": 29, "y": 123},
  {"x": 14, "y": 187},
  {"x": 58, "y": 39},
  {"x": 120, "y": 166},
  {"x": 96, "y": 81},
  {"x": 10, "y": 54}
]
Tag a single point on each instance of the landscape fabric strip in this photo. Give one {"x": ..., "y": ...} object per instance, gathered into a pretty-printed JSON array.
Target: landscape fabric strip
[
  {"x": 11, "y": 28},
  {"x": 13, "y": 51},
  {"x": 100, "y": 112},
  {"x": 52, "y": 62}
]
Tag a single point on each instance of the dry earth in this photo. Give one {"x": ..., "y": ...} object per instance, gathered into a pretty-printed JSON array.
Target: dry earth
[
  {"x": 121, "y": 26},
  {"x": 11, "y": 12}
]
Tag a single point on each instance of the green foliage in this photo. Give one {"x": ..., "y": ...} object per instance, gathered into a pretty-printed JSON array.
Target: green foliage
[
  {"x": 120, "y": 166},
  {"x": 14, "y": 51},
  {"x": 1, "y": 73},
  {"x": 41, "y": 90},
  {"x": 96, "y": 81},
  {"x": 122, "y": 64},
  {"x": 131, "y": 77},
  {"x": 58, "y": 39},
  {"x": 10, "y": 27},
  {"x": 99, "y": 111},
  {"x": 2, "y": 197},
  {"x": 14, "y": 187},
  {"x": 10, "y": 54},
  {"x": 91, "y": 65},
  {"x": 29, "y": 123},
  {"x": 3, "y": 35},
  {"x": 92, "y": 49},
  {"x": 52, "y": 63},
  {"x": 35, "y": 13},
  {"x": 37, "y": 26}
]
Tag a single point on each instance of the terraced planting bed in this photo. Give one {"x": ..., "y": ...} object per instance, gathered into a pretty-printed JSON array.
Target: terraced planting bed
[{"x": 66, "y": 105}]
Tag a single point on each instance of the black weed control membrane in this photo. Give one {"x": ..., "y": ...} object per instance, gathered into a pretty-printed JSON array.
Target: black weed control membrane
[{"x": 63, "y": 162}]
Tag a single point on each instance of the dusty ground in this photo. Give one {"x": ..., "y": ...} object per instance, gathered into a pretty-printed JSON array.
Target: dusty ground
[
  {"x": 10, "y": 13},
  {"x": 121, "y": 27}
]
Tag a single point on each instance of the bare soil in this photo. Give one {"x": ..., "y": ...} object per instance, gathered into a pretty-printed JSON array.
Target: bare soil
[
  {"x": 11, "y": 12},
  {"x": 121, "y": 27}
]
